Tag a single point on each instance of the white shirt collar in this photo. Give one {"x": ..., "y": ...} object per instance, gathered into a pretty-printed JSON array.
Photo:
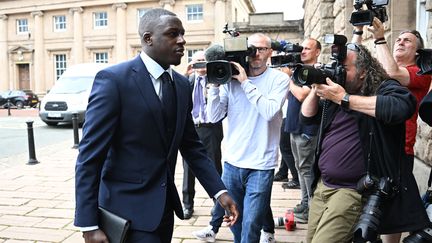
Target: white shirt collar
[{"x": 153, "y": 67}]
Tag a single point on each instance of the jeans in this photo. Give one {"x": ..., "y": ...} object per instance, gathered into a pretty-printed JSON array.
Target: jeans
[{"x": 251, "y": 190}]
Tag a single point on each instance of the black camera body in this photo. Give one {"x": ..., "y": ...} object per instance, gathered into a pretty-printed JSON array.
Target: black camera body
[
  {"x": 235, "y": 49},
  {"x": 424, "y": 61},
  {"x": 307, "y": 75},
  {"x": 290, "y": 57},
  {"x": 375, "y": 8},
  {"x": 378, "y": 190}
]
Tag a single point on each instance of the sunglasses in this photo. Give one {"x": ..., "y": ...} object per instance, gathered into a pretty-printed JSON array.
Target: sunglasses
[{"x": 353, "y": 47}]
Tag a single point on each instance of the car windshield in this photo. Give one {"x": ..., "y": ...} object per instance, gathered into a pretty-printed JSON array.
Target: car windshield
[{"x": 71, "y": 85}]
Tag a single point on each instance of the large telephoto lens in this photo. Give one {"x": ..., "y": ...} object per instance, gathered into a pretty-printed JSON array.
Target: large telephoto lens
[{"x": 307, "y": 75}]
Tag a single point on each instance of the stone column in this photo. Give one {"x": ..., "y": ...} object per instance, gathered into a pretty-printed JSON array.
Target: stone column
[
  {"x": 167, "y": 4},
  {"x": 219, "y": 20},
  {"x": 39, "y": 65},
  {"x": 121, "y": 47},
  {"x": 4, "y": 60},
  {"x": 78, "y": 35}
]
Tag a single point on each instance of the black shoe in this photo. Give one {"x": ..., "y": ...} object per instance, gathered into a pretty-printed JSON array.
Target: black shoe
[
  {"x": 291, "y": 185},
  {"x": 279, "y": 177},
  {"x": 187, "y": 213}
]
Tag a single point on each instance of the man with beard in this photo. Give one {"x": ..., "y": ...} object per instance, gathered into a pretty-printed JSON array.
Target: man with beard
[{"x": 362, "y": 132}]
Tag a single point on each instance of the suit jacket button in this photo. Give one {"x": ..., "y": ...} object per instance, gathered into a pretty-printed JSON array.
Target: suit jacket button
[{"x": 163, "y": 184}]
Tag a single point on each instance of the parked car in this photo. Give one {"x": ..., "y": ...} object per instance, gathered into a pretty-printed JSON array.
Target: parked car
[
  {"x": 69, "y": 94},
  {"x": 18, "y": 99}
]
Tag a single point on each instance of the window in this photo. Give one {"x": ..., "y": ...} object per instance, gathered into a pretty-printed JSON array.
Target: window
[
  {"x": 60, "y": 65},
  {"x": 59, "y": 23},
  {"x": 194, "y": 12},
  {"x": 101, "y": 57},
  {"x": 140, "y": 13},
  {"x": 100, "y": 20},
  {"x": 22, "y": 26},
  {"x": 190, "y": 54},
  {"x": 422, "y": 18}
]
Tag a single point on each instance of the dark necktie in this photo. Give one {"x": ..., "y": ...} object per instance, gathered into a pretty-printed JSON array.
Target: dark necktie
[{"x": 168, "y": 105}]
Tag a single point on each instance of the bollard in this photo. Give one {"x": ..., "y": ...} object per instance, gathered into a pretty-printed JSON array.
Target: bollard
[
  {"x": 9, "y": 105},
  {"x": 32, "y": 154},
  {"x": 75, "y": 129}
]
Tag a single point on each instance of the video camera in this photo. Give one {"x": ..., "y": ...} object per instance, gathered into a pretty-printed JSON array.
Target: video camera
[
  {"x": 375, "y": 8},
  {"x": 236, "y": 49},
  {"x": 307, "y": 75},
  {"x": 290, "y": 57}
]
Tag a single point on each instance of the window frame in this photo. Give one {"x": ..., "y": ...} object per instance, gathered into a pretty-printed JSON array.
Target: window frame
[
  {"x": 193, "y": 13},
  {"x": 58, "y": 24},
  {"x": 100, "y": 22},
  {"x": 21, "y": 27},
  {"x": 59, "y": 65},
  {"x": 101, "y": 57}
]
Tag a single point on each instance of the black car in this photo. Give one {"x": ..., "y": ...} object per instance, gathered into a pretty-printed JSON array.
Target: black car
[{"x": 18, "y": 99}]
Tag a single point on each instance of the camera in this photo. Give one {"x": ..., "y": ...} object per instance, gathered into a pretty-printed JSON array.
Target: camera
[
  {"x": 422, "y": 236},
  {"x": 375, "y": 8},
  {"x": 378, "y": 190},
  {"x": 290, "y": 57},
  {"x": 307, "y": 75},
  {"x": 235, "y": 49},
  {"x": 199, "y": 65},
  {"x": 424, "y": 61}
]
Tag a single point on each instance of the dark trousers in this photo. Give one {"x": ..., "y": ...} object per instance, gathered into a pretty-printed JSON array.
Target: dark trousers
[
  {"x": 287, "y": 161},
  {"x": 211, "y": 136},
  {"x": 163, "y": 233}
]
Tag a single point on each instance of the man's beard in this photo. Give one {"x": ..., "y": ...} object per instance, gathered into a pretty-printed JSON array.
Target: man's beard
[{"x": 354, "y": 86}]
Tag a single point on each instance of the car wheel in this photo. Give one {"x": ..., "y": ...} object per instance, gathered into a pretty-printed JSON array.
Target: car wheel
[
  {"x": 51, "y": 123},
  {"x": 19, "y": 104}
]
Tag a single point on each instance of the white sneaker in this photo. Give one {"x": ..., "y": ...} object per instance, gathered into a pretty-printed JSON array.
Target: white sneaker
[
  {"x": 267, "y": 237},
  {"x": 206, "y": 234}
]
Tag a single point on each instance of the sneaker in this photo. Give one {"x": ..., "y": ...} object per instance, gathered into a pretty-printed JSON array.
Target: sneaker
[
  {"x": 300, "y": 208},
  {"x": 303, "y": 217},
  {"x": 291, "y": 185},
  {"x": 279, "y": 177},
  {"x": 267, "y": 237},
  {"x": 206, "y": 234}
]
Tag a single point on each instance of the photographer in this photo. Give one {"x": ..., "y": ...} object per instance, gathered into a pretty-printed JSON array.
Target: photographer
[
  {"x": 210, "y": 134},
  {"x": 252, "y": 104},
  {"x": 402, "y": 67},
  {"x": 362, "y": 119},
  {"x": 303, "y": 137}
]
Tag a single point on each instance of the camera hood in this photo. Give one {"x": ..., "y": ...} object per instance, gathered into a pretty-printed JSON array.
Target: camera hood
[{"x": 424, "y": 61}]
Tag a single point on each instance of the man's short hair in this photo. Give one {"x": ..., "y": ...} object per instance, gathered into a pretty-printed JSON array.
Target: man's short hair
[
  {"x": 420, "y": 43},
  {"x": 150, "y": 19}
]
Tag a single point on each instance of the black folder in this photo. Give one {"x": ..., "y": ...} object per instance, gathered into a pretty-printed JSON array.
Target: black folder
[{"x": 114, "y": 226}]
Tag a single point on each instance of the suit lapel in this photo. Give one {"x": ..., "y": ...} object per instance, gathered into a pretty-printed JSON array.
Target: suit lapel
[{"x": 144, "y": 83}]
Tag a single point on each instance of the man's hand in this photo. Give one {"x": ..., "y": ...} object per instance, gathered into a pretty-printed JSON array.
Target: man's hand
[
  {"x": 330, "y": 91},
  {"x": 189, "y": 69},
  {"x": 230, "y": 207},
  {"x": 242, "y": 76},
  {"x": 95, "y": 236},
  {"x": 377, "y": 29}
]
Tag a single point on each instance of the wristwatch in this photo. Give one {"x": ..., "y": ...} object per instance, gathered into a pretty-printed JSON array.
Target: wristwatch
[{"x": 345, "y": 101}]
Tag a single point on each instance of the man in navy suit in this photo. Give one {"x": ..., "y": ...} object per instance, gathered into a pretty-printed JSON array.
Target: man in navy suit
[{"x": 130, "y": 142}]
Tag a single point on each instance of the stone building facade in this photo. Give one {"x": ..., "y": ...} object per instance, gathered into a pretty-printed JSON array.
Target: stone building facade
[
  {"x": 331, "y": 16},
  {"x": 39, "y": 39}
]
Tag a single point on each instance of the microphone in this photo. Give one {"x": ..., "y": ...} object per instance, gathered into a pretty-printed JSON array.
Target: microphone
[{"x": 215, "y": 52}]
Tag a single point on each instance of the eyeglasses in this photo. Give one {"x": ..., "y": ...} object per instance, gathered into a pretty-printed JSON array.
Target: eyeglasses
[
  {"x": 353, "y": 47},
  {"x": 262, "y": 49}
]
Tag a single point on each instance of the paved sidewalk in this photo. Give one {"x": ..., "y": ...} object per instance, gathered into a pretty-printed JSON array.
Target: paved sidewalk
[{"x": 37, "y": 202}]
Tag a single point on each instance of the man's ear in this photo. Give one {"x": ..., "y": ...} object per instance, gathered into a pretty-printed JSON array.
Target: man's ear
[
  {"x": 363, "y": 74},
  {"x": 147, "y": 38}
]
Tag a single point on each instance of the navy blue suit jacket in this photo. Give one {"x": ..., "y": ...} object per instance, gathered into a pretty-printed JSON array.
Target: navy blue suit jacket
[{"x": 125, "y": 164}]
